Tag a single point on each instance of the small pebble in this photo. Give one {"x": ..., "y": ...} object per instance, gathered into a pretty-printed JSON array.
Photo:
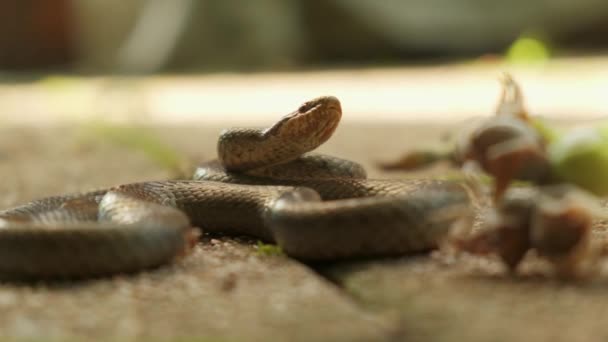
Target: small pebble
[{"x": 229, "y": 282}]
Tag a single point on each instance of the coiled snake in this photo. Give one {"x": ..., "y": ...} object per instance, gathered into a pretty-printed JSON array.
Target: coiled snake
[{"x": 315, "y": 207}]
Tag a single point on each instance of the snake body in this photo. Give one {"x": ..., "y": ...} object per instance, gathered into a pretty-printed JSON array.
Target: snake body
[{"x": 263, "y": 185}]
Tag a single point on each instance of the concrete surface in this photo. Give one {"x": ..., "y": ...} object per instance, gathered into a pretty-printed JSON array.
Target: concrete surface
[{"x": 227, "y": 291}]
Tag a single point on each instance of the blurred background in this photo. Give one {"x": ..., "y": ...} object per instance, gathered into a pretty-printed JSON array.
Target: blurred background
[{"x": 236, "y": 60}]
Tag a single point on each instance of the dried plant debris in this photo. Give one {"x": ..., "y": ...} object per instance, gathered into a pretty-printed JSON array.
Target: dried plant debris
[{"x": 554, "y": 214}]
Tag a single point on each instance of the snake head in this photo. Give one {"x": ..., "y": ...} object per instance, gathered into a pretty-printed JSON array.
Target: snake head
[
  {"x": 295, "y": 134},
  {"x": 314, "y": 121}
]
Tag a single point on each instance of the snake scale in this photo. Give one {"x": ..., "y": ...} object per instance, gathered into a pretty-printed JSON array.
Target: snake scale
[{"x": 263, "y": 185}]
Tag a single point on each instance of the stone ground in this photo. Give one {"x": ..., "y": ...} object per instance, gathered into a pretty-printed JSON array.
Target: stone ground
[{"x": 228, "y": 291}]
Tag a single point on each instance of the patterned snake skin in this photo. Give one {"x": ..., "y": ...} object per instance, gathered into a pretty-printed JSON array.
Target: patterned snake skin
[{"x": 314, "y": 207}]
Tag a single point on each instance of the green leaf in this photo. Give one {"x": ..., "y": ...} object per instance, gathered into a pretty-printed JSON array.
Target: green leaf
[{"x": 528, "y": 50}]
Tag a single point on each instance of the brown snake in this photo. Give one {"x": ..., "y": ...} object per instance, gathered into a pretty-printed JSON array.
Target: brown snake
[{"x": 314, "y": 207}]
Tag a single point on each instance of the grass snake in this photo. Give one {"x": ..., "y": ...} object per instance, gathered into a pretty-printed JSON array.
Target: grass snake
[{"x": 264, "y": 184}]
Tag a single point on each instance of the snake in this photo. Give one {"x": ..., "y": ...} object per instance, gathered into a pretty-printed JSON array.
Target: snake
[{"x": 265, "y": 183}]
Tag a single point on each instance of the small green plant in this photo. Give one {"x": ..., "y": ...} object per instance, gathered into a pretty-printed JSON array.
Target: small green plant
[
  {"x": 266, "y": 249},
  {"x": 144, "y": 140}
]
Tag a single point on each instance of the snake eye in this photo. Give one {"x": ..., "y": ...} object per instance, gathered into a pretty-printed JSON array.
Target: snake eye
[{"x": 306, "y": 106}]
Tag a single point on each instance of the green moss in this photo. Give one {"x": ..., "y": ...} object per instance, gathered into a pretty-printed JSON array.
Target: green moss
[{"x": 268, "y": 249}]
